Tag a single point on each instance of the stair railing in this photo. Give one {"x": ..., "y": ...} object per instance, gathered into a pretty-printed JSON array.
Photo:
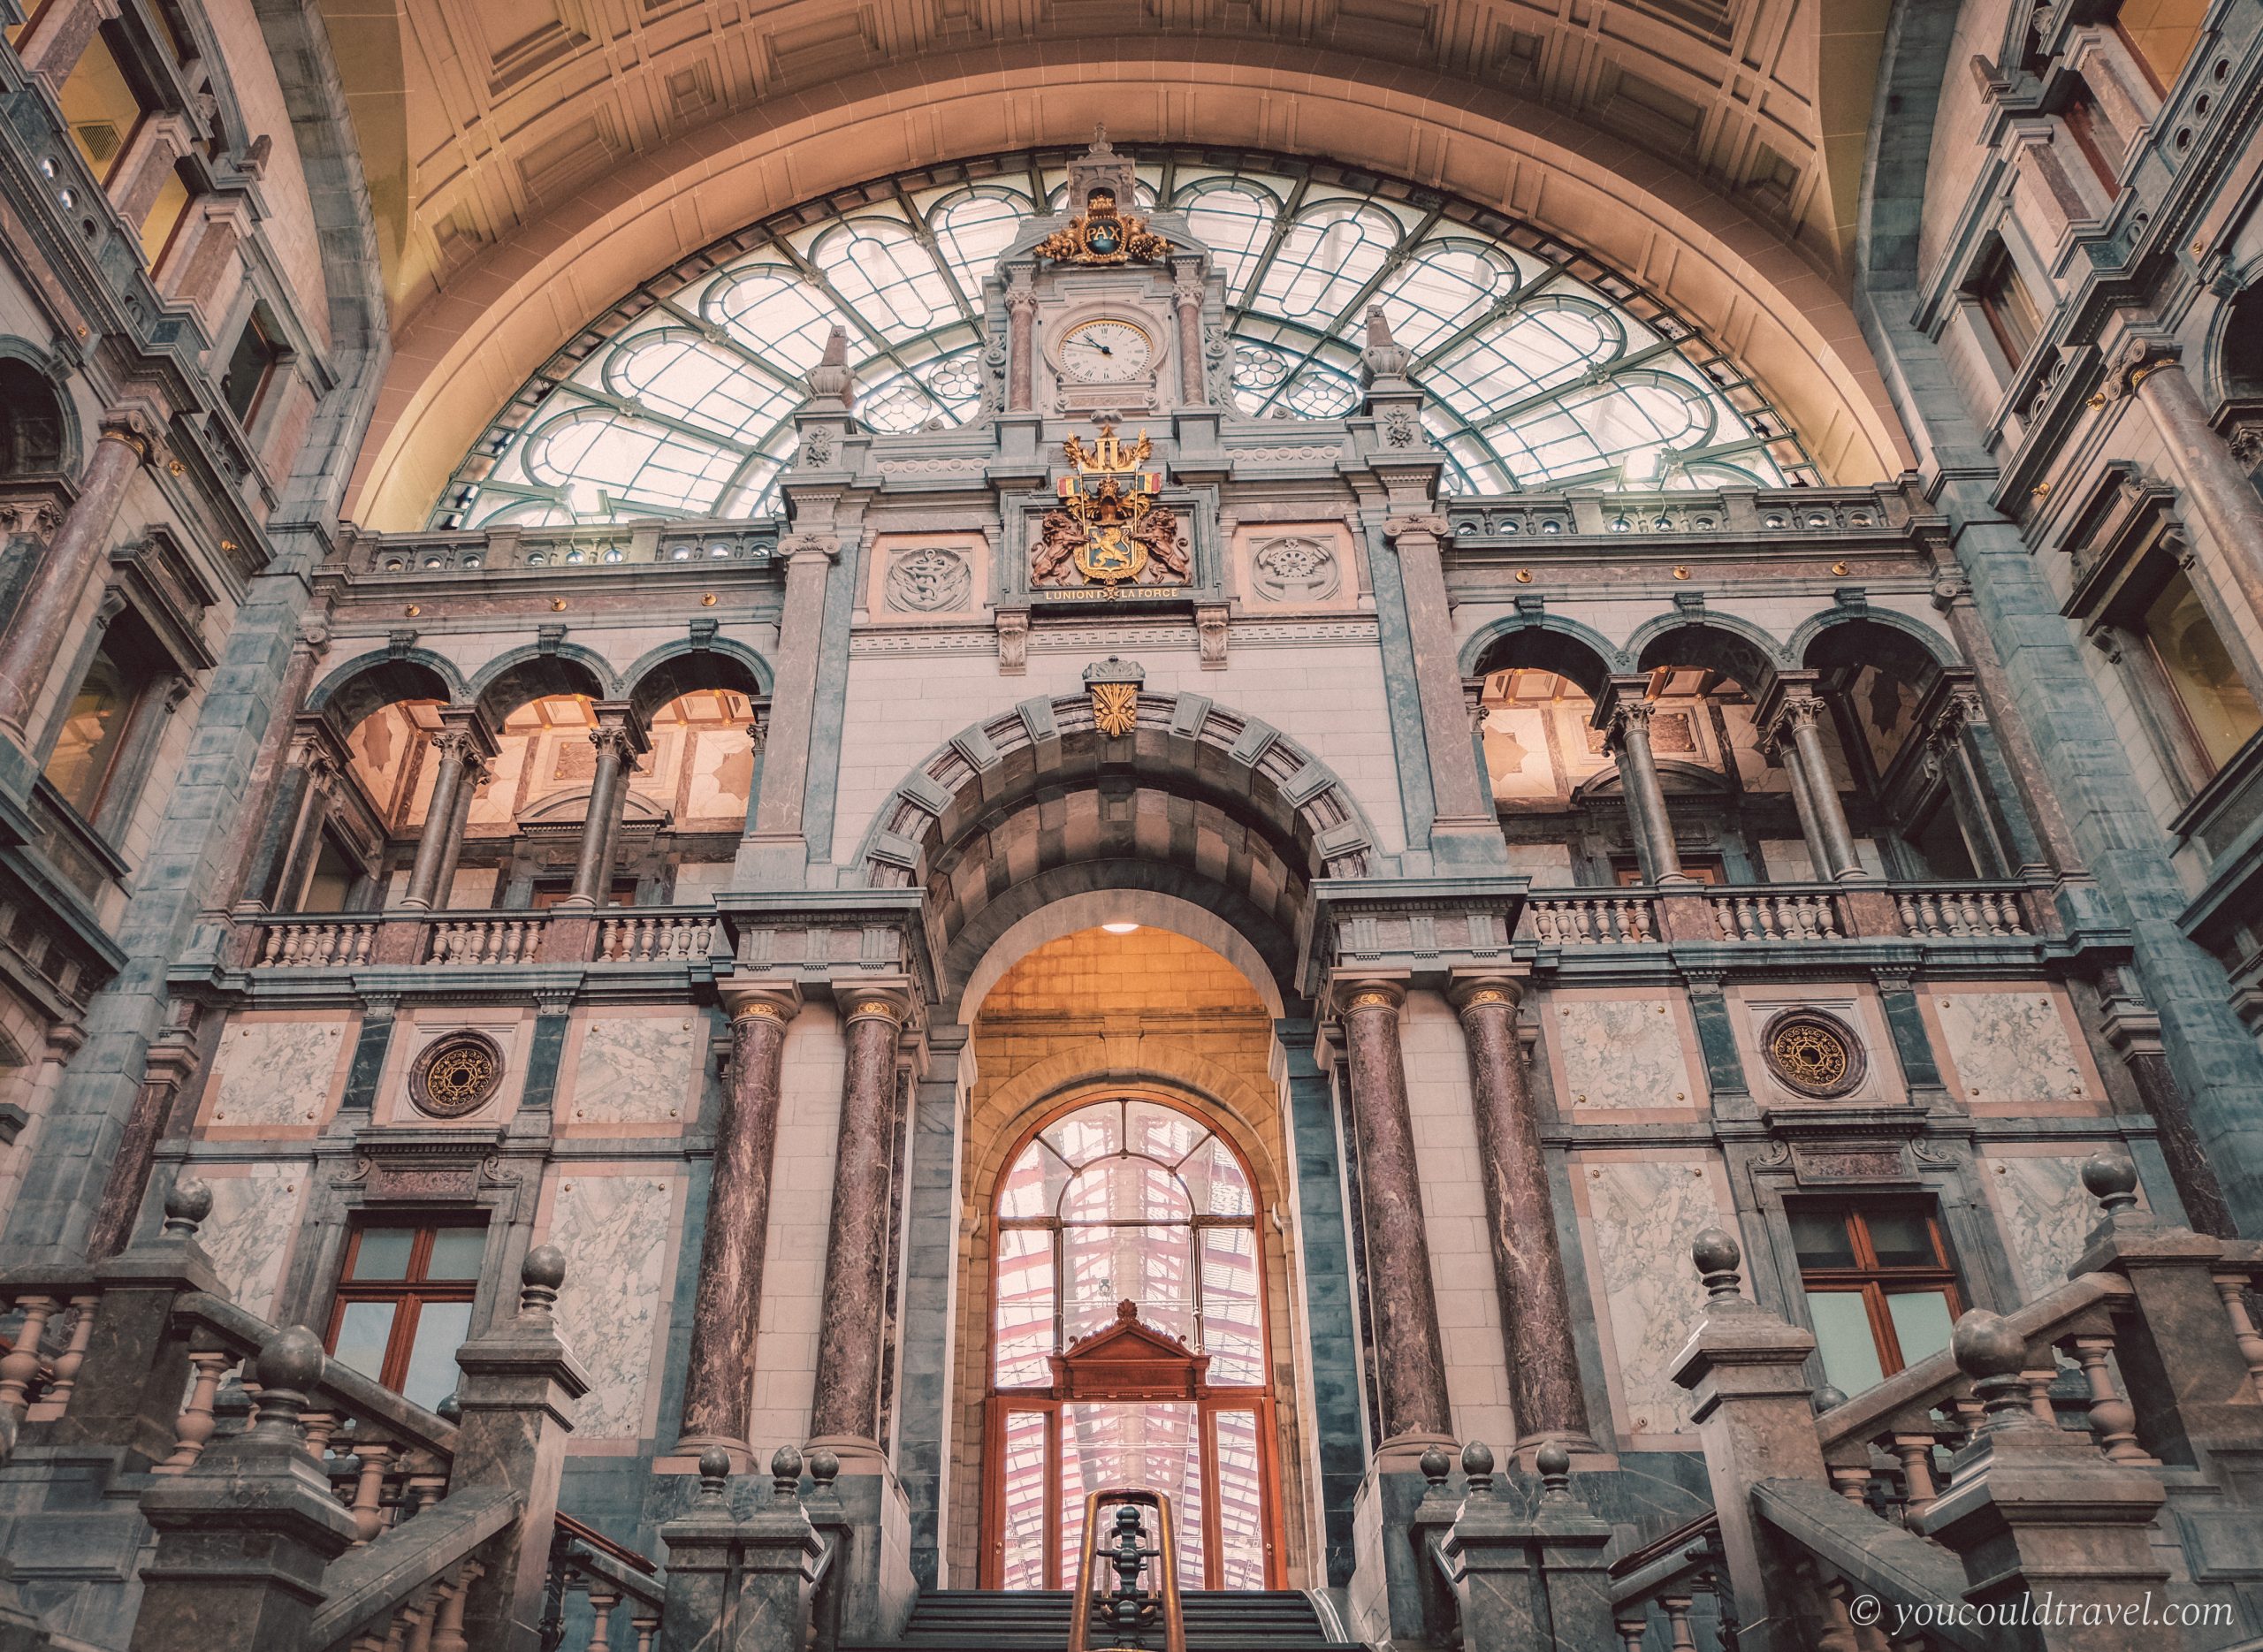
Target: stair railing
[{"x": 1163, "y": 1560}]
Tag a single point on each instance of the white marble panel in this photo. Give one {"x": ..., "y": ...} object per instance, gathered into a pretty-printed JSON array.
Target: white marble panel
[
  {"x": 633, "y": 1069},
  {"x": 2010, "y": 1047},
  {"x": 1642, "y": 1218},
  {"x": 2045, "y": 1214},
  {"x": 1622, "y": 1053},
  {"x": 247, "y": 1235},
  {"x": 274, "y": 1072},
  {"x": 615, "y": 1231}
]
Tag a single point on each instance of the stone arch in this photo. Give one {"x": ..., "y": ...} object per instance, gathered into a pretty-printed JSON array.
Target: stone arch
[
  {"x": 1719, "y": 641},
  {"x": 38, "y": 427},
  {"x": 1041, "y": 910},
  {"x": 687, "y": 666},
  {"x": 368, "y": 681},
  {"x": 1543, "y": 642},
  {"x": 1893, "y": 642},
  {"x": 1225, "y": 798},
  {"x": 2236, "y": 339},
  {"x": 510, "y": 680}
]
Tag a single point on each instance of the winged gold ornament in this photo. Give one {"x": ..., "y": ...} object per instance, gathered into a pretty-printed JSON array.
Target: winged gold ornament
[{"x": 1101, "y": 235}]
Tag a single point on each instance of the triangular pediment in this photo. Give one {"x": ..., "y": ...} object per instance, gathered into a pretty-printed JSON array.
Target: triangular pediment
[{"x": 1130, "y": 1359}]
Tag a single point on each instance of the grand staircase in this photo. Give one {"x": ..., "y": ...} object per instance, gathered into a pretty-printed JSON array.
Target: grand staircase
[{"x": 1028, "y": 1620}]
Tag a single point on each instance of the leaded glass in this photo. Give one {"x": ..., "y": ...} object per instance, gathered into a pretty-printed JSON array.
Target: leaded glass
[{"x": 1542, "y": 369}]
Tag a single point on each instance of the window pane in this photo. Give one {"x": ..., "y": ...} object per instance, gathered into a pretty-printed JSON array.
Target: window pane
[
  {"x": 91, "y": 730},
  {"x": 1820, "y": 1238},
  {"x": 1921, "y": 1324},
  {"x": 2220, "y": 707},
  {"x": 457, "y": 1253},
  {"x": 1233, "y": 1333},
  {"x": 1843, "y": 1335},
  {"x": 1025, "y": 1330},
  {"x": 384, "y": 1253},
  {"x": 431, "y": 1376},
  {"x": 1025, "y": 1497},
  {"x": 1154, "y": 1444},
  {"x": 363, "y": 1330},
  {"x": 1902, "y": 1238},
  {"x": 165, "y": 214},
  {"x": 1241, "y": 1506}
]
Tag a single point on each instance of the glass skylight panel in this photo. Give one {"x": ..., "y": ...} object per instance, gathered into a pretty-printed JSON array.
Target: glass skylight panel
[{"x": 1533, "y": 374}]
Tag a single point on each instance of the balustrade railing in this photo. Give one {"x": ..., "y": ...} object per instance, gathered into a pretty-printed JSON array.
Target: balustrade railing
[
  {"x": 1860, "y": 910},
  {"x": 1951, "y": 913},
  {"x": 482, "y": 939},
  {"x": 655, "y": 938},
  {"x": 325, "y": 943},
  {"x": 1767, "y": 915},
  {"x": 1588, "y": 920},
  {"x": 1677, "y": 1583},
  {"x": 585, "y": 1562},
  {"x": 611, "y": 935}
]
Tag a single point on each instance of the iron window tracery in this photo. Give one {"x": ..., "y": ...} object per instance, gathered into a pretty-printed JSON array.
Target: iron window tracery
[{"x": 1542, "y": 367}]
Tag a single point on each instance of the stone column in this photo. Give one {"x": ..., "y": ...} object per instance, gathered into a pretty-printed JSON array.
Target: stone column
[
  {"x": 619, "y": 738},
  {"x": 467, "y": 785},
  {"x": 719, "y": 1379},
  {"x": 1462, "y": 802},
  {"x": 261, "y": 807},
  {"x": 1544, "y": 1386},
  {"x": 1410, "y": 1360},
  {"x": 60, "y": 36},
  {"x": 2210, "y": 486},
  {"x": 295, "y": 797},
  {"x": 1790, "y": 711},
  {"x": 452, "y": 745},
  {"x": 1963, "y": 746},
  {"x": 845, "y": 1414},
  {"x": 1021, "y": 346},
  {"x": 1186, "y": 298},
  {"x": 43, "y": 619},
  {"x": 793, "y": 702},
  {"x": 1626, "y": 715}
]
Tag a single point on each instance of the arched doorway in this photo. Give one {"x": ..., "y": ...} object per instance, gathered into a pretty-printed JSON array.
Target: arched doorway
[{"x": 1128, "y": 1345}]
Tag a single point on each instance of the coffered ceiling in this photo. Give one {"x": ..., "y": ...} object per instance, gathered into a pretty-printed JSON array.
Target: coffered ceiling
[{"x": 504, "y": 140}]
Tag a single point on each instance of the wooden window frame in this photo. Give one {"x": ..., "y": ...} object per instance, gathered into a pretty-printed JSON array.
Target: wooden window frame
[
  {"x": 1871, "y": 1278},
  {"x": 410, "y": 1292},
  {"x": 1995, "y": 273}
]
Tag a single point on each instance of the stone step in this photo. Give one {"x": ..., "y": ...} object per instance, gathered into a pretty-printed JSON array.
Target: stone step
[{"x": 1036, "y": 1620}]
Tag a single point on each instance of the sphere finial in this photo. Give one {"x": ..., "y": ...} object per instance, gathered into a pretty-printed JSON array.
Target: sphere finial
[
  {"x": 1477, "y": 1467},
  {"x": 786, "y": 1472},
  {"x": 1993, "y": 1355},
  {"x": 288, "y": 1365},
  {"x": 2111, "y": 1175},
  {"x": 1717, "y": 1255},
  {"x": 540, "y": 1275},
  {"x": 825, "y": 1467},
  {"x": 714, "y": 1475},
  {"x": 187, "y": 1203},
  {"x": 1555, "y": 1466},
  {"x": 1436, "y": 1466}
]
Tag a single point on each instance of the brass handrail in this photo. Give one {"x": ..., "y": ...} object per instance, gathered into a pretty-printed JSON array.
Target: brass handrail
[{"x": 1166, "y": 1563}]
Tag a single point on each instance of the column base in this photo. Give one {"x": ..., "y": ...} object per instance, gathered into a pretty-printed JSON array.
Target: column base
[
  {"x": 1402, "y": 1453},
  {"x": 1574, "y": 1442},
  {"x": 421, "y": 903},
  {"x": 570, "y": 904}
]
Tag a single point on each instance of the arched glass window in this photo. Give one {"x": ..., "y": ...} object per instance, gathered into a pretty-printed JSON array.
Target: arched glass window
[
  {"x": 1129, "y": 1346},
  {"x": 1543, "y": 369}
]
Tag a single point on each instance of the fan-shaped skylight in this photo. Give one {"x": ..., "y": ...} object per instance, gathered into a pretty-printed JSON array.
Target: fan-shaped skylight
[{"x": 1543, "y": 369}]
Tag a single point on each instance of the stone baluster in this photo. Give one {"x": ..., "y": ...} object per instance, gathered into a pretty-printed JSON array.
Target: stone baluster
[
  {"x": 245, "y": 1535},
  {"x": 2233, "y": 1289},
  {"x": 517, "y": 1399},
  {"x": 717, "y": 1388},
  {"x": 2032, "y": 1508},
  {"x": 1544, "y": 1388},
  {"x": 845, "y": 1413},
  {"x": 46, "y": 611},
  {"x": 604, "y": 1597},
  {"x": 1402, "y": 1300},
  {"x": 1624, "y": 714},
  {"x": 2113, "y": 1420},
  {"x": 197, "y": 1423}
]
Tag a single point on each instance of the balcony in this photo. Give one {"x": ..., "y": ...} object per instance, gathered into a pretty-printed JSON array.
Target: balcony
[
  {"x": 670, "y": 936},
  {"x": 1788, "y": 914},
  {"x": 555, "y": 551}
]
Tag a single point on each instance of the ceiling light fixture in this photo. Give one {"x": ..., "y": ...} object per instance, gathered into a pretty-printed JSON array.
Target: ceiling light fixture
[{"x": 1119, "y": 929}]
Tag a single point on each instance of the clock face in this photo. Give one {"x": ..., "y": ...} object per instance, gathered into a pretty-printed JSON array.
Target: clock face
[{"x": 1106, "y": 351}]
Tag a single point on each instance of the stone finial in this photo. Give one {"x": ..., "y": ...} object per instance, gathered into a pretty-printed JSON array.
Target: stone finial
[
  {"x": 1436, "y": 1466},
  {"x": 829, "y": 379},
  {"x": 785, "y": 1472},
  {"x": 1717, "y": 1255},
  {"x": 1827, "y": 1397},
  {"x": 2111, "y": 1177},
  {"x": 825, "y": 1467},
  {"x": 287, "y": 1366},
  {"x": 1384, "y": 357},
  {"x": 449, "y": 1410},
  {"x": 1990, "y": 1354},
  {"x": 1555, "y": 1466},
  {"x": 1477, "y": 1467},
  {"x": 187, "y": 1203},
  {"x": 540, "y": 1275},
  {"x": 714, "y": 1475}
]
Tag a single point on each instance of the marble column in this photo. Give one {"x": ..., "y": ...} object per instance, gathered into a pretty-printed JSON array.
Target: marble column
[
  {"x": 1410, "y": 1359},
  {"x": 845, "y": 1414},
  {"x": 294, "y": 800},
  {"x": 719, "y": 1378},
  {"x": 1626, "y": 717},
  {"x": 793, "y": 700},
  {"x": 42, "y": 620},
  {"x": 475, "y": 774},
  {"x": 1186, "y": 298},
  {"x": 618, "y": 738},
  {"x": 453, "y": 746},
  {"x": 1461, "y": 801},
  {"x": 1021, "y": 346},
  {"x": 2211, "y": 487},
  {"x": 1545, "y": 1387},
  {"x": 1790, "y": 711}
]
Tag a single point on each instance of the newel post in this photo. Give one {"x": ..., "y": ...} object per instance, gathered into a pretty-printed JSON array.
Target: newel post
[
  {"x": 518, "y": 1386},
  {"x": 1746, "y": 1370},
  {"x": 1533, "y": 1582},
  {"x": 741, "y": 1582},
  {"x": 245, "y": 1535}
]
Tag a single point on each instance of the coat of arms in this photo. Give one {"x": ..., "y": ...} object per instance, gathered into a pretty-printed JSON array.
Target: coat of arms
[
  {"x": 1101, "y": 235},
  {"x": 1109, "y": 528}
]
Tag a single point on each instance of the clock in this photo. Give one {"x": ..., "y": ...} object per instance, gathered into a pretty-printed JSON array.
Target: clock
[{"x": 1106, "y": 351}]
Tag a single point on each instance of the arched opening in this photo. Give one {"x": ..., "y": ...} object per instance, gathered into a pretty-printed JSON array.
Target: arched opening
[
  {"x": 1128, "y": 1342},
  {"x": 31, "y": 422}
]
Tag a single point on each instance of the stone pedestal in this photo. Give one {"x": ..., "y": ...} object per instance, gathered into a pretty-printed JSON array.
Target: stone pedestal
[
  {"x": 860, "y": 1509},
  {"x": 519, "y": 1383},
  {"x": 1535, "y": 1582},
  {"x": 244, "y": 1536},
  {"x": 740, "y": 1582}
]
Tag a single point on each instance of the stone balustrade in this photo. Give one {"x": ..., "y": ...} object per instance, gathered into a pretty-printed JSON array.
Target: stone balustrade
[
  {"x": 693, "y": 543},
  {"x": 1959, "y": 913},
  {"x": 639, "y": 935},
  {"x": 316, "y": 944},
  {"x": 1676, "y": 1583},
  {"x": 1589, "y": 920},
  {"x": 659, "y": 939},
  {"x": 1766, "y": 915},
  {"x": 482, "y": 939},
  {"x": 607, "y": 1576},
  {"x": 1778, "y": 913}
]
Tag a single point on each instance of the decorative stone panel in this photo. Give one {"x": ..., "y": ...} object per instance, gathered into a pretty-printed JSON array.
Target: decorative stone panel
[
  {"x": 255, "y": 1213},
  {"x": 2010, "y": 1048},
  {"x": 1618, "y": 1051},
  {"x": 916, "y": 578},
  {"x": 617, "y": 1228},
  {"x": 1637, "y": 1217},
  {"x": 274, "y": 1073},
  {"x": 636, "y": 1068}
]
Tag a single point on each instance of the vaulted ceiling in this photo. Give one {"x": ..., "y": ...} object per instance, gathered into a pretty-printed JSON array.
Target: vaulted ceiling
[{"x": 529, "y": 160}]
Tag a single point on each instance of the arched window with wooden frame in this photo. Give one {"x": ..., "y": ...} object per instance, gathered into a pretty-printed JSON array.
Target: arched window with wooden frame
[{"x": 1128, "y": 1345}]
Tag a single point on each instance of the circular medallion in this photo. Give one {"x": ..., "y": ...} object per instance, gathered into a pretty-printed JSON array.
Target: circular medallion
[
  {"x": 456, "y": 1075},
  {"x": 1814, "y": 1054}
]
